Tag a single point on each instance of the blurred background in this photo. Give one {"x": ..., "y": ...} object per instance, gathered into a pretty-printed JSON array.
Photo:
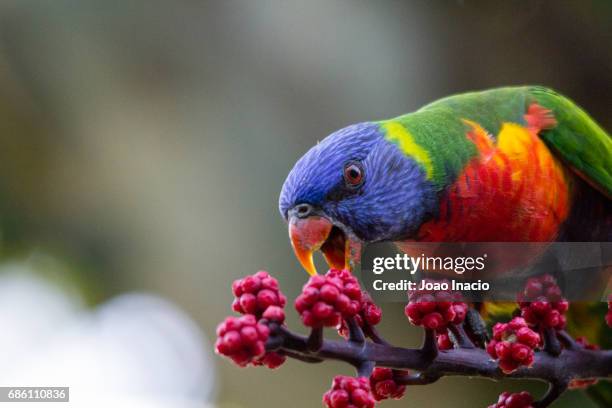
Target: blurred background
[{"x": 143, "y": 145}]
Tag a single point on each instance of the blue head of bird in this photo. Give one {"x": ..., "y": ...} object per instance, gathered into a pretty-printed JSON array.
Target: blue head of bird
[{"x": 353, "y": 188}]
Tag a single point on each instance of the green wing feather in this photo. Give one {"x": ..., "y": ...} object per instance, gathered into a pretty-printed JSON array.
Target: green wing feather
[{"x": 578, "y": 140}]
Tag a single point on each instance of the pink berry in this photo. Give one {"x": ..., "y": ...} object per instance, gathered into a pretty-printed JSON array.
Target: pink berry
[
  {"x": 444, "y": 341},
  {"x": 369, "y": 314},
  {"x": 435, "y": 310},
  {"x": 433, "y": 321},
  {"x": 326, "y": 300},
  {"x": 528, "y": 337},
  {"x": 513, "y": 344},
  {"x": 274, "y": 314},
  {"x": 248, "y": 303},
  {"x": 517, "y": 400},
  {"x": 271, "y": 360},
  {"x": 255, "y": 293},
  {"x": 384, "y": 385},
  {"x": 349, "y": 392},
  {"x": 542, "y": 304}
]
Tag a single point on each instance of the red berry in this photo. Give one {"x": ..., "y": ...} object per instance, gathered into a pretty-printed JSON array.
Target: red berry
[
  {"x": 433, "y": 321},
  {"x": 517, "y": 400},
  {"x": 435, "y": 310},
  {"x": 562, "y": 306},
  {"x": 513, "y": 344},
  {"x": 349, "y": 392},
  {"x": 383, "y": 383},
  {"x": 329, "y": 293},
  {"x": 271, "y": 360},
  {"x": 533, "y": 288},
  {"x": 370, "y": 313},
  {"x": 444, "y": 341},
  {"x": 528, "y": 337},
  {"x": 508, "y": 366},
  {"x": 274, "y": 314},
  {"x": 255, "y": 293},
  {"x": 326, "y": 300},
  {"x": 251, "y": 284},
  {"x": 542, "y": 304}
]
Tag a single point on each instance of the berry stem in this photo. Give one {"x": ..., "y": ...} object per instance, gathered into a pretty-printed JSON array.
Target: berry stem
[
  {"x": 429, "y": 349},
  {"x": 417, "y": 379},
  {"x": 551, "y": 343},
  {"x": 303, "y": 358},
  {"x": 555, "y": 389},
  {"x": 355, "y": 332},
  {"x": 365, "y": 369},
  {"x": 374, "y": 335},
  {"x": 567, "y": 340},
  {"x": 461, "y": 336},
  {"x": 315, "y": 340}
]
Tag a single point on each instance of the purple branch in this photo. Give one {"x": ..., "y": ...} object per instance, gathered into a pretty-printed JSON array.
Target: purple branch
[{"x": 575, "y": 363}]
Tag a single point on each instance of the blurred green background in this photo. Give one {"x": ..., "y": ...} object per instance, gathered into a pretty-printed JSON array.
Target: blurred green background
[{"x": 143, "y": 144}]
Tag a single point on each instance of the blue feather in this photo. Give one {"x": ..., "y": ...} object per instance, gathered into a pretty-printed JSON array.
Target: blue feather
[{"x": 393, "y": 201}]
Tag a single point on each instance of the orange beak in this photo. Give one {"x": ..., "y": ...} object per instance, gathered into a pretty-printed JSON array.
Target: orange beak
[{"x": 315, "y": 232}]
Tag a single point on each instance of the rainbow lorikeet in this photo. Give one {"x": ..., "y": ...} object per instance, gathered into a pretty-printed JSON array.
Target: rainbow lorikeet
[
  {"x": 510, "y": 164},
  {"x": 521, "y": 164}
]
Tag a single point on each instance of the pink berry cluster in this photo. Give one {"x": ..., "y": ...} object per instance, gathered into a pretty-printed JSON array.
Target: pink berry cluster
[
  {"x": 327, "y": 299},
  {"x": 435, "y": 310},
  {"x": 369, "y": 314},
  {"x": 243, "y": 339},
  {"x": 349, "y": 392},
  {"x": 513, "y": 344},
  {"x": 255, "y": 293},
  {"x": 517, "y": 400},
  {"x": 609, "y": 314},
  {"x": 384, "y": 384},
  {"x": 542, "y": 304},
  {"x": 584, "y": 382}
]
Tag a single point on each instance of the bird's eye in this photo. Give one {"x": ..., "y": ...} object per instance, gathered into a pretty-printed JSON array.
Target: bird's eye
[{"x": 353, "y": 174}]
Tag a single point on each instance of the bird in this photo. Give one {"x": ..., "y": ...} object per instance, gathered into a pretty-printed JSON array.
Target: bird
[
  {"x": 520, "y": 164},
  {"x": 510, "y": 164}
]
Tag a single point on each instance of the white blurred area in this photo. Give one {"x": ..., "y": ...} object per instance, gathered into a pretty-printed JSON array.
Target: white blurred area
[{"x": 135, "y": 350}]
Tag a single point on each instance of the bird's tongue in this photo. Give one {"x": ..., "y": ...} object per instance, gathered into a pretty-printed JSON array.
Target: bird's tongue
[
  {"x": 335, "y": 249},
  {"x": 310, "y": 234}
]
